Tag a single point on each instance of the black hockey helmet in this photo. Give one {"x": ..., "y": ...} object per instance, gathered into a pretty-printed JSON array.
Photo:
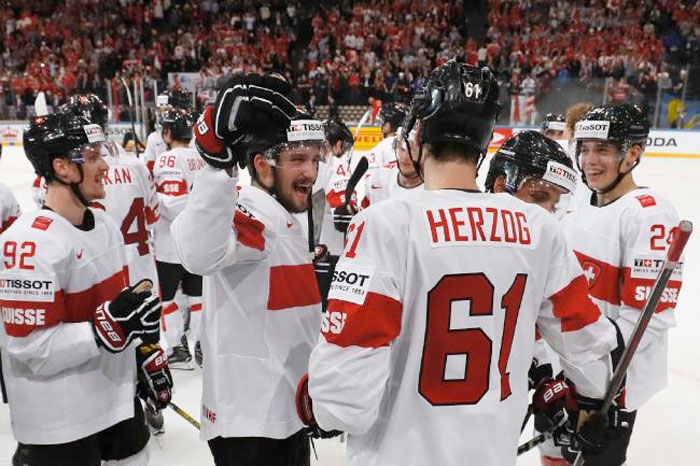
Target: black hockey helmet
[
  {"x": 553, "y": 122},
  {"x": 61, "y": 134},
  {"x": 335, "y": 130},
  {"x": 90, "y": 107},
  {"x": 176, "y": 97},
  {"x": 180, "y": 122},
  {"x": 531, "y": 154},
  {"x": 625, "y": 125},
  {"x": 393, "y": 113},
  {"x": 458, "y": 103}
]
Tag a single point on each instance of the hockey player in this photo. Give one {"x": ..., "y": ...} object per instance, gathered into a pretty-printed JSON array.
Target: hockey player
[
  {"x": 620, "y": 233},
  {"x": 397, "y": 178},
  {"x": 131, "y": 201},
  {"x": 537, "y": 170},
  {"x": 390, "y": 118},
  {"x": 70, "y": 317},
  {"x": 553, "y": 126},
  {"x": 174, "y": 174},
  {"x": 155, "y": 145},
  {"x": 534, "y": 169},
  {"x": 263, "y": 306},
  {"x": 428, "y": 337}
]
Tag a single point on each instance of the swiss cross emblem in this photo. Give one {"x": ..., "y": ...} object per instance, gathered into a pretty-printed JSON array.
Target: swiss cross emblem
[
  {"x": 646, "y": 200},
  {"x": 647, "y": 263},
  {"x": 591, "y": 271}
]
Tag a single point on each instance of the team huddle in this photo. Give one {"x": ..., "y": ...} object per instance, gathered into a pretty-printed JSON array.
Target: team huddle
[{"x": 424, "y": 317}]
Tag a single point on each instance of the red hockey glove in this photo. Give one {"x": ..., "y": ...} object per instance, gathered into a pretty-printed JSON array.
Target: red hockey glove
[
  {"x": 247, "y": 105},
  {"x": 133, "y": 313},
  {"x": 306, "y": 414},
  {"x": 155, "y": 383},
  {"x": 549, "y": 404}
]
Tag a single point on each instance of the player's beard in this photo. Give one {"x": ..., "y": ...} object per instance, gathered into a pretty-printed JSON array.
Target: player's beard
[{"x": 283, "y": 198}]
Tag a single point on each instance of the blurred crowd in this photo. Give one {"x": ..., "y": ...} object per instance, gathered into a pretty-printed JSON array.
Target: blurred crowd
[{"x": 341, "y": 52}]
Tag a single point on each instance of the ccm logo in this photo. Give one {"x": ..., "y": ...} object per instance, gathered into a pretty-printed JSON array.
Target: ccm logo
[{"x": 333, "y": 322}]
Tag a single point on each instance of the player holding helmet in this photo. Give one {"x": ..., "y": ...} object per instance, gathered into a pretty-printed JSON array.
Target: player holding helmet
[
  {"x": 445, "y": 359},
  {"x": 262, "y": 301}
]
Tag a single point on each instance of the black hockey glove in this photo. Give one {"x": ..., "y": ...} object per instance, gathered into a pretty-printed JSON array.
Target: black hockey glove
[
  {"x": 246, "y": 104},
  {"x": 154, "y": 382},
  {"x": 593, "y": 434},
  {"x": 135, "y": 312},
  {"x": 538, "y": 373},
  {"x": 342, "y": 216},
  {"x": 306, "y": 414}
]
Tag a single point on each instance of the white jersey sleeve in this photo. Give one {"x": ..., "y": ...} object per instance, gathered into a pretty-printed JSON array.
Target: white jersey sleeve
[
  {"x": 154, "y": 147},
  {"x": 9, "y": 208},
  {"x": 38, "y": 191},
  {"x": 214, "y": 231}
]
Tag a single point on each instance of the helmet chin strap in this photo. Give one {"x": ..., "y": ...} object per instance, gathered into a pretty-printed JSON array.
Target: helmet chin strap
[
  {"x": 75, "y": 187},
  {"x": 618, "y": 179}
]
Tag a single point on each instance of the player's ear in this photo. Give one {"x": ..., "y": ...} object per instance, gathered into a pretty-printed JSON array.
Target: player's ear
[
  {"x": 499, "y": 184},
  {"x": 62, "y": 168},
  {"x": 633, "y": 154},
  {"x": 263, "y": 170}
]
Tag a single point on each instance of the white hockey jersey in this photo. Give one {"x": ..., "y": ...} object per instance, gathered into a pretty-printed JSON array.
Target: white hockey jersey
[
  {"x": 9, "y": 208},
  {"x": 381, "y": 154},
  {"x": 261, "y": 301},
  {"x": 60, "y": 385},
  {"x": 333, "y": 178},
  {"x": 174, "y": 174},
  {"x": 132, "y": 203},
  {"x": 430, "y": 327},
  {"x": 154, "y": 147},
  {"x": 383, "y": 184},
  {"x": 621, "y": 247}
]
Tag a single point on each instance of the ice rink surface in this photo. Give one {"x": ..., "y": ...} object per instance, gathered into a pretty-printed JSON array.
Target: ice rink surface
[{"x": 667, "y": 431}]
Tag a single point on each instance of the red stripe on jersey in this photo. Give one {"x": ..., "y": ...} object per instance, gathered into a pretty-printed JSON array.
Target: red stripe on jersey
[
  {"x": 172, "y": 187},
  {"x": 196, "y": 307},
  {"x": 538, "y": 335},
  {"x": 37, "y": 182},
  {"x": 152, "y": 214},
  {"x": 6, "y": 224},
  {"x": 250, "y": 231},
  {"x": 81, "y": 305},
  {"x": 292, "y": 286},
  {"x": 603, "y": 278},
  {"x": 636, "y": 291},
  {"x": 372, "y": 324},
  {"x": 150, "y": 164},
  {"x": 573, "y": 307},
  {"x": 23, "y": 317}
]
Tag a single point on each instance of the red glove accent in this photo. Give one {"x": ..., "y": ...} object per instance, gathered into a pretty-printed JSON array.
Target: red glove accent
[
  {"x": 304, "y": 403},
  {"x": 204, "y": 133}
]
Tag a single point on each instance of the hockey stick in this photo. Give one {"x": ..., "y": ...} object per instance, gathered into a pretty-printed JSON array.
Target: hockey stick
[
  {"x": 131, "y": 116},
  {"x": 359, "y": 126},
  {"x": 683, "y": 231},
  {"x": 359, "y": 171},
  {"x": 184, "y": 415}
]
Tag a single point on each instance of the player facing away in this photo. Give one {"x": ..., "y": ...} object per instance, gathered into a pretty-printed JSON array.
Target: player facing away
[
  {"x": 429, "y": 333},
  {"x": 263, "y": 306},
  {"x": 174, "y": 174},
  {"x": 390, "y": 118},
  {"x": 620, "y": 233},
  {"x": 155, "y": 145},
  {"x": 70, "y": 319}
]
